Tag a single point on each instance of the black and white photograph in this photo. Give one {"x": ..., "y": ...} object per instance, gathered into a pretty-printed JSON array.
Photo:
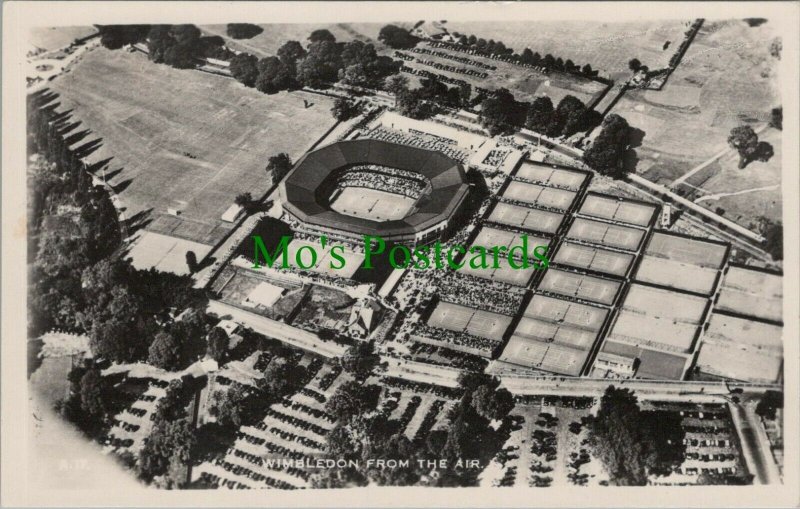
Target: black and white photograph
[{"x": 386, "y": 254}]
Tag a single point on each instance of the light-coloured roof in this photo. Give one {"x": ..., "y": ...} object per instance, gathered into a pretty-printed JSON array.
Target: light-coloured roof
[{"x": 265, "y": 294}]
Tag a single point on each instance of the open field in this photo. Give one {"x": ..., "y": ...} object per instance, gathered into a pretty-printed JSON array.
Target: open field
[
  {"x": 275, "y": 35},
  {"x": 534, "y": 194},
  {"x": 372, "y": 204},
  {"x": 164, "y": 253},
  {"x": 615, "y": 209},
  {"x": 752, "y": 293},
  {"x": 52, "y": 38},
  {"x": 727, "y": 78},
  {"x": 526, "y": 84},
  {"x": 184, "y": 140},
  {"x": 605, "y": 234},
  {"x": 458, "y": 318},
  {"x": 549, "y": 176},
  {"x": 741, "y": 195},
  {"x": 526, "y": 218},
  {"x": 605, "y": 46},
  {"x": 580, "y": 286},
  {"x": 593, "y": 258}
]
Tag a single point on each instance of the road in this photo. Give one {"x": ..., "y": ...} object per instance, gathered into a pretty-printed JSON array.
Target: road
[
  {"x": 278, "y": 330},
  {"x": 755, "y": 445}
]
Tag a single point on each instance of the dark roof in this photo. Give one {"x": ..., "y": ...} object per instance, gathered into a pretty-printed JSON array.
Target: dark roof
[{"x": 304, "y": 194}]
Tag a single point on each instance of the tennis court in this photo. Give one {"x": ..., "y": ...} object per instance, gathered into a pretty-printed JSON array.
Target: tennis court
[
  {"x": 580, "y": 286},
  {"x": 617, "y": 209},
  {"x": 665, "y": 304},
  {"x": 738, "y": 365},
  {"x": 505, "y": 273},
  {"x": 476, "y": 322},
  {"x": 593, "y": 258},
  {"x": 674, "y": 274},
  {"x": 560, "y": 311},
  {"x": 752, "y": 293},
  {"x": 541, "y": 196},
  {"x": 661, "y": 332},
  {"x": 526, "y": 218},
  {"x": 547, "y": 332},
  {"x": 687, "y": 250},
  {"x": 550, "y": 176},
  {"x": 164, "y": 253},
  {"x": 372, "y": 204},
  {"x": 744, "y": 334},
  {"x": 611, "y": 235},
  {"x": 551, "y": 357},
  {"x": 489, "y": 237}
]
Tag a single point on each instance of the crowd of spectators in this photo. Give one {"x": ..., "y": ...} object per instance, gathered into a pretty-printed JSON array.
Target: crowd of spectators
[
  {"x": 419, "y": 140},
  {"x": 381, "y": 178},
  {"x": 494, "y": 296},
  {"x": 448, "y": 338},
  {"x": 495, "y": 157}
]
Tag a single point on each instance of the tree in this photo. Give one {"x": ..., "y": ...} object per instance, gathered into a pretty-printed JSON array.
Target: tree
[
  {"x": 352, "y": 398},
  {"x": 116, "y": 340},
  {"x": 397, "y": 37},
  {"x": 218, "y": 342},
  {"x": 633, "y": 444},
  {"x": 117, "y": 36},
  {"x": 274, "y": 75},
  {"x": 169, "y": 441},
  {"x": 243, "y": 30},
  {"x": 236, "y": 406},
  {"x": 500, "y": 113},
  {"x": 92, "y": 391},
  {"x": 397, "y": 85},
  {"x": 244, "y": 69},
  {"x": 321, "y": 66},
  {"x": 540, "y": 114},
  {"x": 243, "y": 199},
  {"x": 769, "y": 404},
  {"x": 345, "y": 109},
  {"x": 172, "y": 406},
  {"x": 745, "y": 141},
  {"x": 291, "y": 52},
  {"x": 165, "y": 352},
  {"x": 634, "y": 64},
  {"x": 776, "y": 118},
  {"x": 278, "y": 167},
  {"x": 464, "y": 94},
  {"x": 492, "y": 404},
  {"x": 282, "y": 377},
  {"x": 773, "y": 235},
  {"x": 359, "y": 359},
  {"x": 321, "y": 35},
  {"x": 607, "y": 152},
  {"x": 191, "y": 261},
  {"x": 411, "y": 103},
  {"x": 587, "y": 70}
]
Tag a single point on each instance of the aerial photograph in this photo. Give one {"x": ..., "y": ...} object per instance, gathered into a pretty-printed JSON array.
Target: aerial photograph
[{"x": 430, "y": 253}]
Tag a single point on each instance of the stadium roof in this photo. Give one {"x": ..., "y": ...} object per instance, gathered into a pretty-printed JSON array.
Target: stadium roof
[{"x": 305, "y": 194}]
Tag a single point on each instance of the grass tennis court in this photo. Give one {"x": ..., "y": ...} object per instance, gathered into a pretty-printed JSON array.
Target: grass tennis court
[
  {"x": 752, "y": 293},
  {"x": 541, "y": 196},
  {"x": 658, "y": 302},
  {"x": 489, "y": 237},
  {"x": 458, "y": 318},
  {"x": 541, "y": 330},
  {"x": 610, "y": 235},
  {"x": 738, "y": 365},
  {"x": 551, "y": 357},
  {"x": 352, "y": 261},
  {"x": 653, "y": 330},
  {"x": 593, "y": 258},
  {"x": 505, "y": 273},
  {"x": 372, "y": 204},
  {"x": 615, "y": 209},
  {"x": 526, "y": 218},
  {"x": 674, "y": 274},
  {"x": 164, "y": 253},
  {"x": 744, "y": 334},
  {"x": 549, "y": 176},
  {"x": 580, "y": 286},
  {"x": 566, "y": 312},
  {"x": 687, "y": 250}
]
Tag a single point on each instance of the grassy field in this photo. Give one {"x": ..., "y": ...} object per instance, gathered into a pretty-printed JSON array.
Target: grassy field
[
  {"x": 52, "y": 38},
  {"x": 184, "y": 139},
  {"x": 727, "y": 78},
  {"x": 607, "y": 47},
  {"x": 274, "y": 35}
]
